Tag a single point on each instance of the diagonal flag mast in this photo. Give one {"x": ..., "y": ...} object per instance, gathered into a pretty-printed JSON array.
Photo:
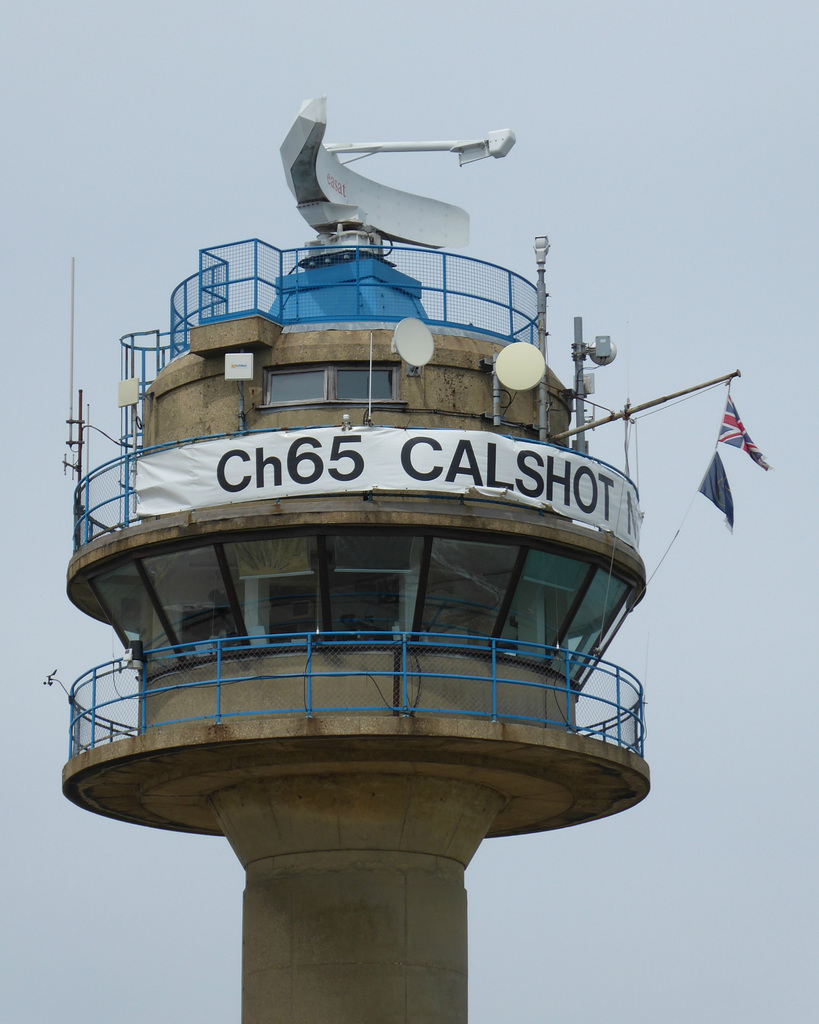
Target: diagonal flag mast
[{"x": 629, "y": 410}]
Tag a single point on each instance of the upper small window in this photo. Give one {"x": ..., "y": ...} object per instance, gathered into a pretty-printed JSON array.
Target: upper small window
[
  {"x": 352, "y": 385},
  {"x": 301, "y": 386},
  {"x": 330, "y": 384}
]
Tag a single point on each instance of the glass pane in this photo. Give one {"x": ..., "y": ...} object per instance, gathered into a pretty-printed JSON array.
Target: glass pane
[
  {"x": 466, "y": 584},
  {"x": 127, "y": 603},
  {"x": 546, "y": 591},
  {"x": 191, "y": 590},
  {"x": 599, "y": 604},
  {"x": 277, "y": 584},
  {"x": 373, "y": 581},
  {"x": 304, "y": 386},
  {"x": 351, "y": 385}
]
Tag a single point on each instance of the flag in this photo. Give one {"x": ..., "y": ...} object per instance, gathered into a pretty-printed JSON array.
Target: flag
[
  {"x": 733, "y": 432},
  {"x": 715, "y": 487}
]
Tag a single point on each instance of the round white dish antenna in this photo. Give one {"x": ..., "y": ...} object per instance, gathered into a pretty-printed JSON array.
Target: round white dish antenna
[
  {"x": 520, "y": 366},
  {"x": 412, "y": 340}
]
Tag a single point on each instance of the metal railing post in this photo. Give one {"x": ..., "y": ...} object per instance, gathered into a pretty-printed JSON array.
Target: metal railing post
[
  {"x": 640, "y": 722},
  {"x": 143, "y": 698},
  {"x": 404, "y": 688},
  {"x": 218, "y": 682},
  {"x": 86, "y": 507},
  {"x": 127, "y": 497},
  {"x": 255, "y": 275},
  {"x": 443, "y": 282},
  {"x": 73, "y": 732},
  {"x": 279, "y": 277},
  {"x": 494, "y": 679},
  {"x": 568, "y": 715},
  {"x": 308, "y": 678},
  {"x": 93, "y": 710},
  {"x": 619, "y": 708}
]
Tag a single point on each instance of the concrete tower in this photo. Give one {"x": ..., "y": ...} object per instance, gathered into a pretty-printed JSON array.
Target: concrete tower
[{"x": 363, "y": 607}]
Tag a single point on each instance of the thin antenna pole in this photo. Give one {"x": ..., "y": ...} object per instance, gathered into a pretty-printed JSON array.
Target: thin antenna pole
[
  {"x": 370, "y": 385},
  {"x": 80, "y": 438},
  {"x": 579, "y": 356},
  {"x": 544, "y": 405},
  {"x": 71, "y": 364}
]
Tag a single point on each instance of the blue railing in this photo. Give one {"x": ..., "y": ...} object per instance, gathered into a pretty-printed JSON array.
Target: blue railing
[
  {"x": 313, "y": 674},
  {"x": 322, "y": 284}
]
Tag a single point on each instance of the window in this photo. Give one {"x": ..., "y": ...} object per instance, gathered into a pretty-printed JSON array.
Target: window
[
  {"x": 466, "y": 584},
  {"x": 388, "y": 580},
  {"x": 191, "y": 590},
  {"x": 128, "y": 607},
  {"x": 373, "y": 581},
  {"x": 277, "y": 584},
  {"x": 330, "y": 384},
  {"x": 298, "y": 386},
  {"x": 545, "y": 596}
]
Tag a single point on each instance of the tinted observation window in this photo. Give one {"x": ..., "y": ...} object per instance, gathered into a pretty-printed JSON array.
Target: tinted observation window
[
  {"x": 357, "y": 583},
  {"x": 304, "y": 386}
]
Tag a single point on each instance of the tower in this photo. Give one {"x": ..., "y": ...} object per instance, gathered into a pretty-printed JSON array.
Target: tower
[{"x": 363, "y": 601}]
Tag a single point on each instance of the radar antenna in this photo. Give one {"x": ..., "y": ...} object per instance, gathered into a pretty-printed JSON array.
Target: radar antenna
[{"x": 333, "y": 199}]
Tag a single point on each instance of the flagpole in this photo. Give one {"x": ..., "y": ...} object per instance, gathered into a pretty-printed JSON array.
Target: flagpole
[{"x": 630, "y": 410}]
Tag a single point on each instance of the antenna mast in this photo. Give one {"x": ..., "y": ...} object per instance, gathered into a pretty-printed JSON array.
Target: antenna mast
[{"x": 76, "y": 466}]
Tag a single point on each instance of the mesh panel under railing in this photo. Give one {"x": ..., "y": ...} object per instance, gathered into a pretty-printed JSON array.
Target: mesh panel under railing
[
  {"x": 610, "y": 707},
  {"x": 184, "y": 314},
  {"x": 105, "y": 706},
  {"x": 104, "y": 500}
]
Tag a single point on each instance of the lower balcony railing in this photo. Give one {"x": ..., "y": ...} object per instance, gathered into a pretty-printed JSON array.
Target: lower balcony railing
[{"x": 400, "y": 674}]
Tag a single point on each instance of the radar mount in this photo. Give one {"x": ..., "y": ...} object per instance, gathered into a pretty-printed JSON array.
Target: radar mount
[{"x": 347, "y": 208}]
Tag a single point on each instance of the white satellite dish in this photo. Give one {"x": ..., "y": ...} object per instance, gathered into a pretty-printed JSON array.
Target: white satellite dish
[
  {"x": 412, "y": 340},
  {"x": 520, "y": 366}
]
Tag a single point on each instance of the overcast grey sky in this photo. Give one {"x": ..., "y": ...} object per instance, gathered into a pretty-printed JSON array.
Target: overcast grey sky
[{"x": 669, "y": 150}]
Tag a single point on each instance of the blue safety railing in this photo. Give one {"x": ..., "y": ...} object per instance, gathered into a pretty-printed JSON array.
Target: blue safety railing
[
  {"x": 329, "y": 284},
  {"x": 322, "y": 284},
  {"x": 331, "y": 674}
]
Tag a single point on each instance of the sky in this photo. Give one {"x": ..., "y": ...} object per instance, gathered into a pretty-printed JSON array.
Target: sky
[{"x": 670, "y": 153}]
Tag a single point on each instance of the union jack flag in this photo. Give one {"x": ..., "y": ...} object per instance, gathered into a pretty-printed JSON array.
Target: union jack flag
[{"x": 733, "y": 432}]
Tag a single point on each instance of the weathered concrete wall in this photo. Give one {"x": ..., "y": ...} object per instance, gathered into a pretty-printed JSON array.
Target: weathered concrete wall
[
  {"x": 191, "y": 398},
  {"x": 354, "y": 909}
]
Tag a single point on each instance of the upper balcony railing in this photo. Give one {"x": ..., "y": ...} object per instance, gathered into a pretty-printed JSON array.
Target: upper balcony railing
[
  {"x": 322, "y": 284},
  {"x": 331, "y": 284},
  {"x": 412, "y": 675}
]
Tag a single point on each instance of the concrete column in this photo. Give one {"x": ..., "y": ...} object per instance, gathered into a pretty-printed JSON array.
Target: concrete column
[{"x": 355, "y": 908}]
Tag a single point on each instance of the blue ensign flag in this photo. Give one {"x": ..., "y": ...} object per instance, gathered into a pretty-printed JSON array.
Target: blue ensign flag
[{"x": 715, "y": 487}]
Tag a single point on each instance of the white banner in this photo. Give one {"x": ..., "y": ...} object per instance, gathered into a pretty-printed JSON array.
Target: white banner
[{"x": 328, "y": 460}]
